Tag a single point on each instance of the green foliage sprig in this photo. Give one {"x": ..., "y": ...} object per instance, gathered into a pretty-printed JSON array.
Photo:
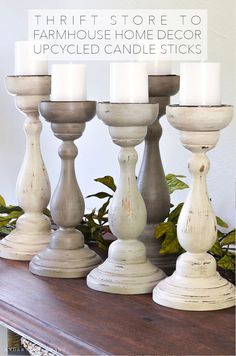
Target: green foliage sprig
[
  {"x": 8, "y": 217},
  {"x": 95, "y": 226}
]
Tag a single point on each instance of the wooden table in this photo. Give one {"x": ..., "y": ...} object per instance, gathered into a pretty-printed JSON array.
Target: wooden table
[{"x": 66, "y": 316}]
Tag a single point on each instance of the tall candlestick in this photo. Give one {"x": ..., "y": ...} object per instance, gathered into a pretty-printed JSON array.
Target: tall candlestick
[
  {"x": 26, "y": 63},
  {"x": 68, "y": 82},
  {"x": 66, "y": 256},
  {"x": 159, "y": 67},
  {"x": 200, "y": 84},
  {"x": 128, "y": 83},
  {"x": 33, "y": 228},
  {"x": 127, "y": 269},
  {"x": 196, "y": 285}
]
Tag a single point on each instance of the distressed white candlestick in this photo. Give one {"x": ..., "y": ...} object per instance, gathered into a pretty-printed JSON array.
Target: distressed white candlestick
[
  {"x": 127, "y": 269},
  {"x": 33, "y": 228},
  {"x": 195, "y": 285}
]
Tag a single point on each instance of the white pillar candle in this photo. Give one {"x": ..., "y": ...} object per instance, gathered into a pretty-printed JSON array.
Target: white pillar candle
[
  {"x": 200, "y": 84},
  {"x": 68, "y": 82},
  {"x": 128, "y": 83},
  {"x": 26, "y": 62},
  {"x": 159, "y": 67}
]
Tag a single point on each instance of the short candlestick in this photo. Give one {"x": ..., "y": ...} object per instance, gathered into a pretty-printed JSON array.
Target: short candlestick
[
  {"x": 151, "y": 180},
  {"x": 33, "y": 228},
  {"x": 66, "y": 256},
  {"x": 195, "y": 285},
  {"x": 127, "y": 269}
]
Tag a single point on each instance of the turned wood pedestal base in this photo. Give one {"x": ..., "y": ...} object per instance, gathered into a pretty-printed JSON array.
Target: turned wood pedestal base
[
  {"x": 74, "y": 262},
  {"x": 136, "y": 275},
  {"x": 195, "y": 285},
  {"x": 31, "y": 235}
]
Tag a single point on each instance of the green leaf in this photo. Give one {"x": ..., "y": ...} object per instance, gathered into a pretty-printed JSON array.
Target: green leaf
[
  {"x": 227, "y": 262},
  {"x": 108, "y": 181},
  {"x": 5, "y": 230},
  {"x": 174, "y": 183},
  {"x": 100, "y": 195},
  {"x": 221, "y": 223},
  {"x": 229, "y": 238},
  {"x": 86, "y": 231},
  {"x": 170, "y": 242},
  {"x": 174, "y": 215},
  {"x": 4, "y": 220},
  {"x": 90, "y": 219},
  {"x": 104, "y": 219},
  {"x": 47, "y": 212},
  {"x": 170, "y": 245},
  {"x": 216, "y": 249},
  {"x": 103, "y": 210},
  {"x": 162, "y": 228},
  {"x": 9, "y": 209},
  {"x": 102, "y": 243},
  {"x": 2, "y": 201},
  {"x": 220, "y": 234},
  {"x": 93, "y": 230}
]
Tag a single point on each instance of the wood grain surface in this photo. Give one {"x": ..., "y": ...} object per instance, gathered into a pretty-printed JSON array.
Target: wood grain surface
[{"x": 72, "y": 319}]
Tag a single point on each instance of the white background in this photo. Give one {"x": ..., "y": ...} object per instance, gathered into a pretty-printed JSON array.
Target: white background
[{"x": 97, "y": 154}]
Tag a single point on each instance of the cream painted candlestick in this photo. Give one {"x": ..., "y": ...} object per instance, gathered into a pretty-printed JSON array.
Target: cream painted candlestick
[
  {"x": 151, "y": 179},
  {"x": 127, "y": 269},
  {"x": 66, "y": 256},
  {"x": 33, "y": 228},
  {"x": 195, "y": 285}
]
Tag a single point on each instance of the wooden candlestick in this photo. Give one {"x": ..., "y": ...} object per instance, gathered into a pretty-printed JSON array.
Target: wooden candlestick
[
  {"x": 195, "y": 285},
  {"x": 33, "y": 228},
  {"x": 151, "y": 180},
  {"x": 66, "y": 256},
  {"x": 127, "y": 269}
]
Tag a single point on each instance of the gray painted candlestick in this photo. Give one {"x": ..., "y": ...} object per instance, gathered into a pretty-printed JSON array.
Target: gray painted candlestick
[
  {"x": 151, "y": 179},
  {"x": 195, "y": 285},
  {"x": 33, "y": 228},
  {"x": 127, "y": 269},
  {"x": 66, "y": 256}
]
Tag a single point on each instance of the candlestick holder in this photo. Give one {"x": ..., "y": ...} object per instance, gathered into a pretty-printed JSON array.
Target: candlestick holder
[
  {"x": 195, "y": 285},
  {"x": 151, "y": 180},
  {"x": 33, "y": 228},
  {"x": 66, "y": 256},
  {"x": 127, "y": 269}
]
